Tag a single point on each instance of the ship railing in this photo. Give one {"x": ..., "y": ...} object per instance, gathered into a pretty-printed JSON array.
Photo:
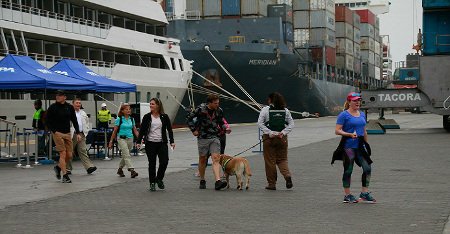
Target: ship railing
[
  {"x": 48, "y": 19},
  {"x": 50, "y": 60},
  {"x": 192, "y": 15}
]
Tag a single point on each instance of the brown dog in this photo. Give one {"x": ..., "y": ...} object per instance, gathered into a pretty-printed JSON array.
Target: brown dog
[{"x": 238, "y": 167}]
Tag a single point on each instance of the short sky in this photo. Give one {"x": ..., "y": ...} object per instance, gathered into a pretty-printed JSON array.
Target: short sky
[{"x": 402, "y": 24}]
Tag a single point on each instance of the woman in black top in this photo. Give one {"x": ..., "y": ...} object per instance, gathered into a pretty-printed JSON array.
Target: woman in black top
[{"x": 154, "y": 128}]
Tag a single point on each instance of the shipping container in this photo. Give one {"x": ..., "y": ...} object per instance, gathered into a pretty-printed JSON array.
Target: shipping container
[
  {"x": 345, "y": 62},
  {"x": 344, "y": 14},
  {"x": 377, "y": 22},
  {"x": 231, "y": 7},
  {"x": 430, "y": 4},
  {"x": 356, "y": 20},
  {"x": 370, "y": 70},
  {"x": 407, "y": 75},
  {"x": 377, "y": 34},
  {"x": 300, "y": 5},
  {"x": 377, "y": 60},
  {"x": 366, "y": 16},
  {"x": 367, "y": 30},
  {"x": 377, "y": 48},
  {"x": 357, "y": 65},
  {"x": 321, "y": 19},
  {"x": 357, "y": 50},
  {"x": 344, "y": 46},
  {"x": 301, "y": 37},
  {"x": 255, "y": 7},
  {"x": 322, "y": 36},
  {"x": 344, "y": 30},
  {"x": 301, "y": 19},
  {"x": 194, "y": 5},
  {"x": 288, "y": 31},
  {"x": 212, "y": 8},
  {"x": 280, "y": 10},
  {"x": 287, "y": 2},
  {"x": 356, "y": 35},
  {"x": 367, "y": 55},
  {"x": 327, "y": 5},
  {"x": 368, "y": 43},
  {"x": 436, "y": 31},
  {"x": 377, "y": 73},
  {"x": 330, "y": 55}
]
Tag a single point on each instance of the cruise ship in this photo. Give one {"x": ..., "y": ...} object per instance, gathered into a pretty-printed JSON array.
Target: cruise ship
[{"x": 113, "y": 38}]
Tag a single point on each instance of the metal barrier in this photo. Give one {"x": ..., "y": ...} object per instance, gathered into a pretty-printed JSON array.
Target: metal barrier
[
  {"x": 260, "y": 142},
  {"x": 9, "y": 133}
]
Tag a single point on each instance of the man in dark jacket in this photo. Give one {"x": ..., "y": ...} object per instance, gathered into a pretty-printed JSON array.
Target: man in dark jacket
[
  {"x": 59, "y": 116},
  {"x": 205, "y": 123}
]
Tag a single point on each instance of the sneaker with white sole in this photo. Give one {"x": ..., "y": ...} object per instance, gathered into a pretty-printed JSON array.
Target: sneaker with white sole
[
  {"x": 349, "y": 198},
  {"x": 366, "y": 197}
]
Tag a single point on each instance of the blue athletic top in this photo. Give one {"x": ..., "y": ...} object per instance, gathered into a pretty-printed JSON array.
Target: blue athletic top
[
  {"x": 126, "y": 129},
  {"x": 351, "y": 123}
]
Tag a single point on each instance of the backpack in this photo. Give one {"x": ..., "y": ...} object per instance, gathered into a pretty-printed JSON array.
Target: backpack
[{"x": 277, "y": 119}]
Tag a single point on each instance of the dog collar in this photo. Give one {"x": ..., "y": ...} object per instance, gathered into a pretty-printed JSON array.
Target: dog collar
[{"x": 225, "y": 164}]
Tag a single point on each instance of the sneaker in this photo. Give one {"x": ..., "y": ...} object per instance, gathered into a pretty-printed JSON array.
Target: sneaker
[
  {"x": 57, "y": 170},
  {"x": 271, "y": 188},
  {"x": 160, "y": 184},
  {"x": 134, "y": 174},
  {"x": 202, "y": 184},
  {"x": 289, "y": 182},
  {"x": 152, "y": 187},
  {"x": 367, "y": 198},
  {"x": 66, "y": 179},
  {"x": 120, "y": 172},
  {"x": 91, "y": 169},
  {"x": 68, "y": 172},
  {"x": 220, "y": 185},
  {"x": 349, "y": 198}
]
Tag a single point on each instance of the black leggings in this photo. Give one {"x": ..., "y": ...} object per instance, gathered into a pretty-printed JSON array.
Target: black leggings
[{"x": 154, "y": 149}]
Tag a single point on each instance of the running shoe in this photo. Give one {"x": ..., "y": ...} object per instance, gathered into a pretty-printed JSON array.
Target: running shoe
[
  {"x": 349, "y": 198},
  {"x": 366, "y": 198}
]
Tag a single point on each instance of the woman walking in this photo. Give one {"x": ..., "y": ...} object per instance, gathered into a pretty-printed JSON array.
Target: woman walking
[
  {"x": 276, "y": 122},
  {"x": 124, "y": 127},
  {"x": 154, "y": 128},
  {"x": 351, "y": 125}
]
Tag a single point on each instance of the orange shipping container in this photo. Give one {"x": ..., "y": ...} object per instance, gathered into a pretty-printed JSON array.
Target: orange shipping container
[
  {"x": 366, "y": 16},
  {"x": 330, "y": 55},
  {"x": 344, "y": 14}
]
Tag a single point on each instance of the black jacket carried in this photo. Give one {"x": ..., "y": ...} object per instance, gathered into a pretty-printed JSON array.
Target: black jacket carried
[
  {"x": 363, "y": 147},
  {"x": 146, "y": 124}
]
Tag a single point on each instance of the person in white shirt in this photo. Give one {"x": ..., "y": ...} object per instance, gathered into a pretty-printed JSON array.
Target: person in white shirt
[
  {"x": 79, "y": 147},
  {"x": 154, "y": 128}
]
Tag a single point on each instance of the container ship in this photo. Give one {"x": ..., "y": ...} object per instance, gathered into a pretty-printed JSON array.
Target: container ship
[{"x": 312, "y": 51}]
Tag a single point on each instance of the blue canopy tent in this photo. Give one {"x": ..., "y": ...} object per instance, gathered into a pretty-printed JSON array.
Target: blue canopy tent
[
  {"x": 18, "y": 70},
  {"x": 75, "y": 69}
]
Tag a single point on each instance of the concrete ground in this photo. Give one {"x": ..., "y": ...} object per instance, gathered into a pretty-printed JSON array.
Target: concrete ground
[{"x": 409, "y": 180}]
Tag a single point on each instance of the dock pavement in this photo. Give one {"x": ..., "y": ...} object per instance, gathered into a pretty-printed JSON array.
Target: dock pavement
[{"x": 410, "y": 180}]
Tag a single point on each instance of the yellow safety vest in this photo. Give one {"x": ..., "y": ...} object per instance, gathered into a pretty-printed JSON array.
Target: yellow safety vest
[{"x": 104, "y": 116}]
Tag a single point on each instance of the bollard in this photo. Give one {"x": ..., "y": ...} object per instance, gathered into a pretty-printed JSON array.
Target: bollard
[
  {"x": 106, "y": 145},
  {"x": 19, "y": 164},
  {"x": 260, "y": 142},
  {"x": 26, "y": 148}
]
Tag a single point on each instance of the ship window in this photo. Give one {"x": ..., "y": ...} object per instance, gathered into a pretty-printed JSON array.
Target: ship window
[
  {"x": 130, "y": 24},
  {"x": 181, "y": 64},
  {"x": 172, "y": 61},
  {"x": 140, "y": 27},
  {"x": 155, "y": 62},
  {"x": 134, "y": 60},
  {"x": 138, "y": 96},
  {"x": 158, "y": 95},
  {"x": 104, "y": 17},
  {"x": 76, "y": 11},
  {"x": 62, "y": 8},
  {"x": 119, "y": 21},
  {"x": 149, "y": 96}
]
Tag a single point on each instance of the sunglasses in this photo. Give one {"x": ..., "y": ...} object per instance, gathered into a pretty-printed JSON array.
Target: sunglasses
[{"x": 356, "y": 95}]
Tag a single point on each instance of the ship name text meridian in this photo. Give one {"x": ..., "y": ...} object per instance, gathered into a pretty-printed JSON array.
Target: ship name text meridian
[
  {"x": 385, "y": 97},
  {"x": 263, "y": 62}
]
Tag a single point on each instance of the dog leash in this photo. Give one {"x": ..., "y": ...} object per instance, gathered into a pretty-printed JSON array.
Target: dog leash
[{"x": 251, "y": 147}]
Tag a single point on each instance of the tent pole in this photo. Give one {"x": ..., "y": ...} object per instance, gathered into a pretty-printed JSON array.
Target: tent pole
[{"x": 96, "y": 110}]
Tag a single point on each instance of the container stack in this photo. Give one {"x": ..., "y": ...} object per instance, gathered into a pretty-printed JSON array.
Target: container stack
[
  {"x": 314, "y": 28},
  {"x": 212, "y": 9},
  {"x": 356, "y": 43},
  {"x": 344, "y": 38},
  {"x": 378, "y": 50},
  {"x": 367, "y": 29},
  {"x": 284, "y": 12}
]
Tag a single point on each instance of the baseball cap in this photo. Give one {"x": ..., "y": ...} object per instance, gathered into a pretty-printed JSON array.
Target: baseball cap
[
  {"x": 60, "y": 92},
  {"x": 353, "y": 96},
  {"x": 103, "y": 104}
]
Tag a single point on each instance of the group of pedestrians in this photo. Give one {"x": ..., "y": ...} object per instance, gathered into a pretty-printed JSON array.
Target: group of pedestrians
[{"x": 69, "y": 126}]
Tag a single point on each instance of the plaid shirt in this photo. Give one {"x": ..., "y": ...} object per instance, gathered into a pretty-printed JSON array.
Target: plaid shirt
[{"x": 207, "y": 122}]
